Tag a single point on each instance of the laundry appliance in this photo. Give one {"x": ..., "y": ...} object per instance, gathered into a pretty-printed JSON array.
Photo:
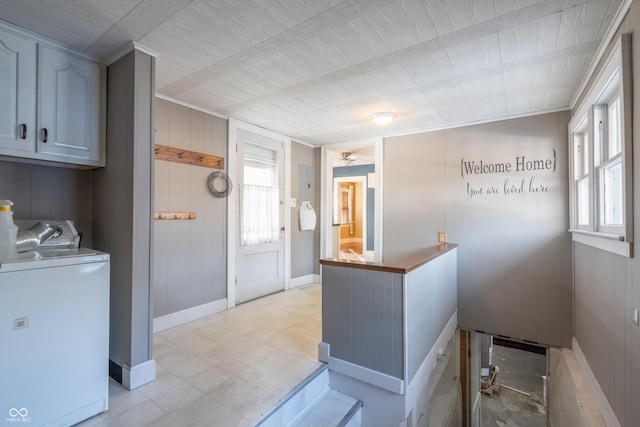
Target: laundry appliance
[{"x": 54, "y": 331}]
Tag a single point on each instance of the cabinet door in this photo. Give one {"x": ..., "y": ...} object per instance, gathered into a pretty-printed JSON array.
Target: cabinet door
[
  {"x": 17, "y": 93},
  {"x": 69, "y": 107}
]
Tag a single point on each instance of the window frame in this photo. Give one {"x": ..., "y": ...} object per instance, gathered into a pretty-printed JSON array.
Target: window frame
[
  {"x": 591, "y": 118},
  {"x": 580, "y": 170}
]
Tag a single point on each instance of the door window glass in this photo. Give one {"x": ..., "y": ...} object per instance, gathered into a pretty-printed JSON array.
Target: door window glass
[{"x": 260, "y": 213}]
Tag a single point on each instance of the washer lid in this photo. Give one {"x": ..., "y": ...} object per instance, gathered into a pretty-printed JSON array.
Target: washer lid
[{"x": 52, "y": 258}]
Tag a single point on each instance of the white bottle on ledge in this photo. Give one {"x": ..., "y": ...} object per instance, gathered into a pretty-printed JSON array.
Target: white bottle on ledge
[{"x": 8, "y": 232}]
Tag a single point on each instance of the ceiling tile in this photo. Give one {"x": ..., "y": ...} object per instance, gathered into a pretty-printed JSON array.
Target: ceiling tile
[
  {"x": 402, "y": 24},
  {"x": 504, "y": 7},
  {"x": 356, "y": 41},
  {"x": 429, "y": 68},
  {"x": 590, "y": 23},
  {"x": 529, "y": 39},
  {"x": 475, "y": 55},
  {"x": 447, "y": 97},
  {"x": 253, "y": 21},
  {"x": 317, "y": 69},
  {"x": 448, "y": 16},
  {"x": 65, "y": 22}
]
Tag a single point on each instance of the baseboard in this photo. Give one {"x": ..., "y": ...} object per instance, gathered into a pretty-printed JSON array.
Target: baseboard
[
  {"x": 604, "y": 407},
  {"x": 139, "y": 375},
  {"x": 387, "y": 382},
  {"x": 190, "y": 314},
  {"x": 304, "y": 280},
  {"x": 366, "y": 375}
]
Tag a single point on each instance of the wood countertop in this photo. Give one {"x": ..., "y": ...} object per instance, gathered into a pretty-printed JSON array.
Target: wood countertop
[{"x": 399, "y": 265}]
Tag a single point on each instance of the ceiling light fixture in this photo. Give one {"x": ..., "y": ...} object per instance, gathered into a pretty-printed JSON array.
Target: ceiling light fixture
[
  {"x": 347, "y": 159},
  {"x": 383, "y": 119}
]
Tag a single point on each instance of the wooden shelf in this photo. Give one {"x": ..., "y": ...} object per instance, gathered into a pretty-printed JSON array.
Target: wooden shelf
[
  {"x": 178, "y": 155},
  {"x": 174, "y": 215}
]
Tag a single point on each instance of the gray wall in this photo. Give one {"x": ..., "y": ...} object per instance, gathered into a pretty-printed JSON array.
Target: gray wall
[
  {"x": 122, "y": 207},
  {"x": 190, "y": 256},
  {"x": 388, "y": 321},
  {"x": 303, "y": 254},
  {"x": 607, "y": 289},
  {"x": 362, "y": 318},
  {"x": 48, "y": 192},
  {"x": 514, "y": 255}
]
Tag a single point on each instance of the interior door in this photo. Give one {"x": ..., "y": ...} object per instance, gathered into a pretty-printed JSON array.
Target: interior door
[{"x": 260, "y": 234}]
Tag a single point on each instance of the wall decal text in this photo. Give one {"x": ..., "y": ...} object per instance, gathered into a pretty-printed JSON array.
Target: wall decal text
[
  {"x": 520, "y": 164},
  {"x": 512, "y": 185}
]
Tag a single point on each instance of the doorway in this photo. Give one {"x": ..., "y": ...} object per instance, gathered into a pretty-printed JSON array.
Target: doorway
[
  {"x": 513, "y": 383},
  {"x": 351, "y": 189},
  {"x": 258, "y": 243},
  {"x": 350, "y": 216}
]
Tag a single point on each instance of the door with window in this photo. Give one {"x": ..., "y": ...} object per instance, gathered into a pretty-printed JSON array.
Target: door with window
[{"x": 260, "y": 236}]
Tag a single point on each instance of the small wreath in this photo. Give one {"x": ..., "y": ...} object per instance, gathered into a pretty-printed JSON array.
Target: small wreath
[{"x": 219, "y": 184}]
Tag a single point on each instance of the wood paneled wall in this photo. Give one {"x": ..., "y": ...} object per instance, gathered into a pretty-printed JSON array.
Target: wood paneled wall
[
  {"x": 122, "y": 212},
  {"x": 605, "y": 296},
  {"x": 388, "y": 321},
  {"x": 48, "y": 192},
  {"x": 362, "y": 318},
  {"x": 607, "y": 288},
  {"x": 303, "y": 255},
  {"x": 190, "y": 261},
  {"x": 514, "y": 254}
]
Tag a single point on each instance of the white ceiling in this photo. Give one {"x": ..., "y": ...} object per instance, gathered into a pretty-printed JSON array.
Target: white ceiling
[{"x": 315, "y": 70}]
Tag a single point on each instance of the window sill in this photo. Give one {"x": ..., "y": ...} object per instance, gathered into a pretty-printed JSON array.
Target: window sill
[{"x": 613, "y": 243}]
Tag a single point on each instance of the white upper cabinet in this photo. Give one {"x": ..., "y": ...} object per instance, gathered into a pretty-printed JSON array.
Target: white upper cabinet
[
  {"x": 68, "y": 106},
  {"x": 17, "y": 92},
  {"x": 56, "y": 108}
]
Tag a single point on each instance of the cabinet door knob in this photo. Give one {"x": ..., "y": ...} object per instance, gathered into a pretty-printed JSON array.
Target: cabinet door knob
[
  {"x": 23, "y": 131},
  {"x": 44, "y": 135}
]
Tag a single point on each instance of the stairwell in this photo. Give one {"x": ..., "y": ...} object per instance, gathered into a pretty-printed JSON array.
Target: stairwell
[{"x": 314, "y": 403}]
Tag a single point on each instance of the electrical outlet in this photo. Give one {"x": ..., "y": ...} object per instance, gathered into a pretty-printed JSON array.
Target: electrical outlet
[
  {"x": 21, "y": 323},
  {"x": 442, "y": 236}
]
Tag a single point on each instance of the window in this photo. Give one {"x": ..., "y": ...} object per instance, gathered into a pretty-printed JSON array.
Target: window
[
  {"x": 600, "y": 148},
  {"x": 581, "y": 174},
  {"x": 260, "y": 217}
]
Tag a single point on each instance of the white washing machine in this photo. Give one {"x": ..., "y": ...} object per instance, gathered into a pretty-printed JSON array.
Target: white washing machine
[{"x": 54, "y": 333}]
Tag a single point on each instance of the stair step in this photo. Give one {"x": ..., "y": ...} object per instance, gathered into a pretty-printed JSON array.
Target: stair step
[
  {"x": 332, "y": 408},
  {"x": 314, "y": 403}
]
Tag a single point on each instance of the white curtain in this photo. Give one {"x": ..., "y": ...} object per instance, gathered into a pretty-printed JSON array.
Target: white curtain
[{"x": 260, "y": 215}]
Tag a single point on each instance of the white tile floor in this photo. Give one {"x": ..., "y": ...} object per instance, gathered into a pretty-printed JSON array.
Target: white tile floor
[{"x": 227, "y": 369}]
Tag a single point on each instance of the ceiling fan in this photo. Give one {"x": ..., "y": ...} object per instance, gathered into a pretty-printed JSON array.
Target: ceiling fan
[{"x": 347, "y": 158}]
